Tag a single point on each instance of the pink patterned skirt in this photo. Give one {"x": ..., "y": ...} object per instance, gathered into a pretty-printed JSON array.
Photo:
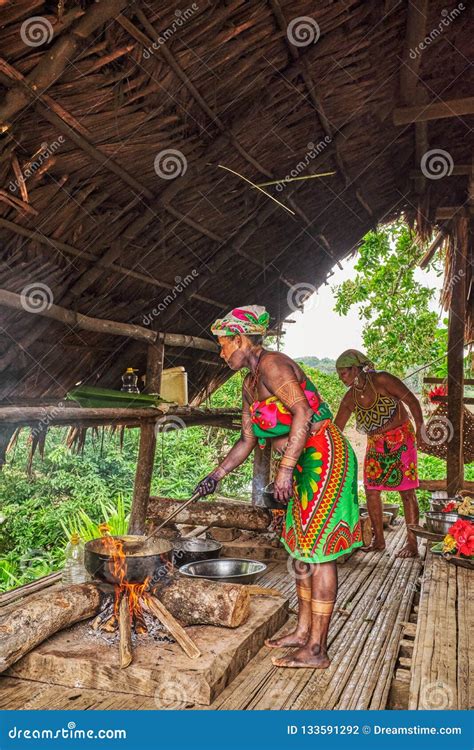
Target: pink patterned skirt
[{"x": 391, "y": 460}]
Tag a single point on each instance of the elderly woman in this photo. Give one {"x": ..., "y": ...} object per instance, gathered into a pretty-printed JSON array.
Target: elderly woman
[
  {"x": 378, "y": 401},
  {"x": 317, "y": 474}
]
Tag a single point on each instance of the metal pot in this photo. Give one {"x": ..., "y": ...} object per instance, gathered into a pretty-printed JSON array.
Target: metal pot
[
  {"x": 440, "y": 523},
  {"x": 153, "y": 561},
  {"x": 191, "y": 550},
  {"x": 231, "y": 570},
  {"x": 267, "y": 500}
]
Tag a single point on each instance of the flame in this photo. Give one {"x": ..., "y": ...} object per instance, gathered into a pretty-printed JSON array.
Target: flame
[{"x": 118, "y": 568}]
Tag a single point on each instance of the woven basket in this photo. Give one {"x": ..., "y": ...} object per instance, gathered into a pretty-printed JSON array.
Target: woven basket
[{"x": 439, "y": 432}]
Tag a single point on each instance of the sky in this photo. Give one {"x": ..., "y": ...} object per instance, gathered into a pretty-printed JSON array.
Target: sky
[{"x": 319, "y": 332}]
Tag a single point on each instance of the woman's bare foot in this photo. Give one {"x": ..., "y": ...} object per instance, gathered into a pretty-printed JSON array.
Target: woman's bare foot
[
  {"x": 373, "y": 547},
  {"x": 408, "y": 551},
  {"x": 308, "y": 657},
  {"x": 295, "y": 638}
]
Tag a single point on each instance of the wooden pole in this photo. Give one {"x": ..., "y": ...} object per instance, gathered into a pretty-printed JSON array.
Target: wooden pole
[
  {"x": 456, "y": 327},
  {"x": 146, "y": 453},
  {"x": 262, "y": 461},
  {"x": 434, "y": 111},
  {"x": 154, "y": 366}
]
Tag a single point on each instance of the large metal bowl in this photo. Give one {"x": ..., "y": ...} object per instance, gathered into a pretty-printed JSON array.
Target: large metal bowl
[
  {"x": 440, "y": 523},
  {"x": 229, "y": 570},
  {"x": 153, "y": 560}
]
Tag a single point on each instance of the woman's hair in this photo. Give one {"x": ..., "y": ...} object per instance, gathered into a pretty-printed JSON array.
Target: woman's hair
[{"x": 256, "y": 339}]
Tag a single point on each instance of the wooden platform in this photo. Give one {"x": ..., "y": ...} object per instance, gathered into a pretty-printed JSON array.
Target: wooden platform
[
  {"x": 442, "y": 673},
  {"x": 79, "y": 658},
  {"x": 376, "y": 592}
]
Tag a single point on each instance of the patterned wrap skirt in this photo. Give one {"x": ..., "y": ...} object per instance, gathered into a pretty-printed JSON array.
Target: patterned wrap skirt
[
  {"x": 391, "y": 460},
  {"x": 322, "y": 518}
]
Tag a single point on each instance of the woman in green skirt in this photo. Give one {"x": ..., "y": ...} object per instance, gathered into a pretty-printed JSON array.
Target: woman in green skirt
[{"x": 317, "y": 475}]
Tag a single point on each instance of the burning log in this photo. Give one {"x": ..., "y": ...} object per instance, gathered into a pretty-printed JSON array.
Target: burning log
[
  {"x": 202, "y": 602},
  {"x": 43, "y": 614},
  {"x": 227, "y": 515},
  {"x": 158, "y": 610},
  {"x": 125, "y": 631}
]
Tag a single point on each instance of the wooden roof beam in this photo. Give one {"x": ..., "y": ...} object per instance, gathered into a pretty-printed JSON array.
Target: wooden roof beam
[
  {"x": 62, "y": 53},
  {"x": 110, "y": 327},
  {"x": 434, "y": 111}
]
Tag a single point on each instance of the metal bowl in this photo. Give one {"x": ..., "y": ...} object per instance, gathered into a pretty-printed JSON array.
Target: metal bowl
[
  {"x": 437, "y": 504},
  {"x": 440, "y": 523},
  {"x": 152, "y": 561},
  {"x": 230, "y": 570},
  {"x": 191, "y": 550}
]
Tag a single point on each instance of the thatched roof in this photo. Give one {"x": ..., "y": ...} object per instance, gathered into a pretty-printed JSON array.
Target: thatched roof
[{"x": 98, "y": 222}]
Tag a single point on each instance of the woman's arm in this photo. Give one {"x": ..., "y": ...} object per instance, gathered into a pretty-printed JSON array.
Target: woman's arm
[
  {"x": 280, "y": 379},
  {"x": 397, "y": 387},
  {"x": 346, "y": 407},
  {"x": 239, "y": 451}
]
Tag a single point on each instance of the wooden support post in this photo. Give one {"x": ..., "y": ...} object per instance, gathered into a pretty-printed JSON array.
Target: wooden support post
[
  {"x": 457, "y": 315},
  {"x": 146, "y": 452},
  {"x": 154, "y": 367},
  {"x": 262, "y": 461}
]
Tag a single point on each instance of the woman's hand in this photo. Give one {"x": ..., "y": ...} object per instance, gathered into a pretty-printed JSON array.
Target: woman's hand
[
  {"x": 206, "y": 486},
  {"x": 283, "y": 485}
]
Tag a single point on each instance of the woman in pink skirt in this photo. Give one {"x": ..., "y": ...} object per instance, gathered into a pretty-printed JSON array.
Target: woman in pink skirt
[{"x": 378, "y": 401}]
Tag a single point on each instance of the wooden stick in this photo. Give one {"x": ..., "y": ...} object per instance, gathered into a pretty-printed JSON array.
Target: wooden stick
[
  {"x": 435, "y": 111},
  {"x": 156, "y": 608},
  {"x": 125, "y": 631}
]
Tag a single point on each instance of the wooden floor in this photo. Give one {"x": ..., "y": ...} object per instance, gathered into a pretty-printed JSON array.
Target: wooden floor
[
  {"x": 442, "y": 674},
  {"x": 375, "y": 598}
]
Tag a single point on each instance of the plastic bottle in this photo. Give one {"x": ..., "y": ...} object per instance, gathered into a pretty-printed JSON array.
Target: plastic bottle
[
  {"x": 74, "y": 570},
  {"x": 130, "y": 381}
]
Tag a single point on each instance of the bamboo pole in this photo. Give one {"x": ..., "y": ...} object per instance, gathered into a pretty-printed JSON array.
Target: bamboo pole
[{"x": 434, "y": 111}]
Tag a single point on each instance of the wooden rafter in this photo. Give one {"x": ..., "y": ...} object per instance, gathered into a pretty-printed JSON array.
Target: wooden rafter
[
  {"x": 434, "y": 111},
  {"x": 99, "y": 325}
]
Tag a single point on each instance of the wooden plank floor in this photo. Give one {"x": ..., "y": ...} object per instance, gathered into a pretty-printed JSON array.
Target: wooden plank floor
[
  {"x": 375, "y": 596},
  {"x": 443, "y": 657}
]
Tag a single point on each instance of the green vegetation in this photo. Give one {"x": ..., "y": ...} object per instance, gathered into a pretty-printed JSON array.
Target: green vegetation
[{"x": 400, "y": 331}]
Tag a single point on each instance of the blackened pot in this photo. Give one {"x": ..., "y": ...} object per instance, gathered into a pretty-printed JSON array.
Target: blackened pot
[
  {"x": 191, "y": 550},
  {"x": 154, "y": 561}
]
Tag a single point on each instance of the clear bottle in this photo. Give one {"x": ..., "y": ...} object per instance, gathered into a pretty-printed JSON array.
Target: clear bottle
[
  {"x": 130, "y": 381},
  {"x": 74, "y": 570}
]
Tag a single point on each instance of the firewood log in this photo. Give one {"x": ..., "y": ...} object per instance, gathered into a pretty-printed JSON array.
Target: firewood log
[
  {"x": 201, "y": 602},
  {"x": 227, "y": 515},
  {"x": 39, "y": 616}
]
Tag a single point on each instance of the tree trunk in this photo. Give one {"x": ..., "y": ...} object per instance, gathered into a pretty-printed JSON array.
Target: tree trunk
[
  {"x": 227, "y": 515},
  {"x": 202, "y": 602},
  {"x": 43, "y": 614}
]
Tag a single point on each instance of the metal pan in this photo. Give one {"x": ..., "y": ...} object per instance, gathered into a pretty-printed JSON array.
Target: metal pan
[
  {"x": 191, "y": 550},
  {"x": 153, "y": 561}
]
